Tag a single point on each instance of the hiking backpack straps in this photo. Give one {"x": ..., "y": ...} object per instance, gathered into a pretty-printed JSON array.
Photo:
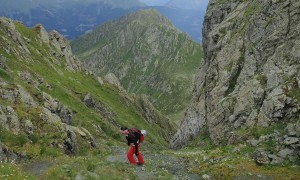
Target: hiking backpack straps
[{"x": 138, "y": 134}]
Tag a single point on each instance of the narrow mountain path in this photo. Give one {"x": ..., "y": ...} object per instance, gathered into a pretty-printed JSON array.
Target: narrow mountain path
[
  {"x": 156, "y": 165},
  {"x": 174, "y": 165},
  {"x": 38, "y": 168}
]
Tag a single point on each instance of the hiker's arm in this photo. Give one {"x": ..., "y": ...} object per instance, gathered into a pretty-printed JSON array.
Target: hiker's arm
[{"x": 128, "y": 142}]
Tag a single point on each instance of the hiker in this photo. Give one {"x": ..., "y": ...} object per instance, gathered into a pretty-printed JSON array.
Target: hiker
[{"x": 134, "y": 139}]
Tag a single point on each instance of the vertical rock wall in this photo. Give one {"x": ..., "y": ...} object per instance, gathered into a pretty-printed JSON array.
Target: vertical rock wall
[{"x": 251, "y": 74}]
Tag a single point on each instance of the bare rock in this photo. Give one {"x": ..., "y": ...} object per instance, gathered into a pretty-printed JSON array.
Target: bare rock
[
  {"x": 285, "y": 153},
  {"x": 291, "y": 140},
  {"x": 261, "y": 157},
  {"x": 112, "y": 79},
  {"x": 253, "y": 142},
  {"x": 250, "y": 75}
]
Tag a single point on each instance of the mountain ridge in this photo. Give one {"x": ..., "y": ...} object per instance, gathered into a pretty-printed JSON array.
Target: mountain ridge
[
  {"x": 60, "y": 15},
  {"x": 145, "y": 54}
]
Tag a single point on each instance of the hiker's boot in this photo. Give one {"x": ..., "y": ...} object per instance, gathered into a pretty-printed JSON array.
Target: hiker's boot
[{"x": 139, "y": 164}]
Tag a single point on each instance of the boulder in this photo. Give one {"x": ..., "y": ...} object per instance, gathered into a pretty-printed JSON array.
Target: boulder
[
  {"x": 285, "y": 153},
  {"x": 291, "y": 140},
  {"x": 112, "y": 79},
  {"x": 261, "y": 157}
]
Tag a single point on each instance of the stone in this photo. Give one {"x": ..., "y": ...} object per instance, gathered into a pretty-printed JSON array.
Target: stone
[
  {"x": 70, "y": 143},
  {"x": 236, "y": 150},
  {"x": 261, "y": 157},
  {"x": 12, "y": 120},
  {"x": 291, "y": 140},
  {"x": 42, "y": 33},
  {"x": 63, "y": 49},
  {"x": 275, "y": 160},
  {"x": 53, "y": 105},
  {"x": 100, "y": 80},
  {"x": 205, "y": 176},
  {"x": 26, "y": 97},
  {"x": 285, "y": 153},
  {"x": 112, "y": 79},
  {"x": 253, "y": 142},
  {"x": 88, "y": 101},
  {"x": 28, "y": 127},
  {"x": 293, "y": 158}
]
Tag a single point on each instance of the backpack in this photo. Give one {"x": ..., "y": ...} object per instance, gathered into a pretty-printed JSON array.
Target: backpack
[{"x": 140, "y": 134}]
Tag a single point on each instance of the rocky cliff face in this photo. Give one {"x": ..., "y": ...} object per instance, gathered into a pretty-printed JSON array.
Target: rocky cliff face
[
  {"x": 251, "y": 75},
  {"x": 17, "y": 45}
]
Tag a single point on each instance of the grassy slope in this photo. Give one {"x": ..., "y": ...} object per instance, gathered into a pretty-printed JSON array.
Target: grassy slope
[{"x": 70, "y": 89}]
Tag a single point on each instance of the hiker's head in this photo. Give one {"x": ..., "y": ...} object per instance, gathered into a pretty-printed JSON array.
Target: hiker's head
[{"x": 124, "y": 130}]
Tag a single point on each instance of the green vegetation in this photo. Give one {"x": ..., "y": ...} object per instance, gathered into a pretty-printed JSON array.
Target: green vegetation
[
  {"x": 231, "y": 162},
  {"x": 4, "y": 75},
  {"x": 90, "y": 167},
  {"x": 12, "y": 140},
  {"x": 13, "y": 172},
  {"x": 262, "y": 79},
  {"x": 292, "y": 87}
]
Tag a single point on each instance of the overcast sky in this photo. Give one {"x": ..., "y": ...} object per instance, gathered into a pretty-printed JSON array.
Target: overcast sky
[
  {"x": 154, "y": 2},
  {"x": 178, "y": 2}
]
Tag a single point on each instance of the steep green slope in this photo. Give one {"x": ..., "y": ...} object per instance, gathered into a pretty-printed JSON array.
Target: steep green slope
[
  {"x": 148, "y": 54},
  {"x": 50, "y": 106}
]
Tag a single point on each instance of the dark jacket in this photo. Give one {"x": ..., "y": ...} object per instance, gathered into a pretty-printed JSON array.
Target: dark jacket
[{"x": 133, "y": 139}]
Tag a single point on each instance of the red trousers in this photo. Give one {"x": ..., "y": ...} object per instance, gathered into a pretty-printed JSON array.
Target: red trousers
[{"x": 130, "y": 157}]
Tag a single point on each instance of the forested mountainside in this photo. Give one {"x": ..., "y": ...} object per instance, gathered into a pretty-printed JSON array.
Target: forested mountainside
[
  {"x": 147, "y": 54},
  {"x": 52, "y": 107},
  {"x": 248, "y": 87}
]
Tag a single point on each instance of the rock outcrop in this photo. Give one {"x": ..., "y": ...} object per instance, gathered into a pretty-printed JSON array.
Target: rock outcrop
[
  {"x": 52, "y": 39},
  {"x": 250, "y": 77},
  {"x": 25, "y": 108}
]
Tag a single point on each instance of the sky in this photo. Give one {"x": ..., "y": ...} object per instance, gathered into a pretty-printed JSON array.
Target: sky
[
  {"x": 154, "y": 2},
  {"x": 180, "y": 3}
]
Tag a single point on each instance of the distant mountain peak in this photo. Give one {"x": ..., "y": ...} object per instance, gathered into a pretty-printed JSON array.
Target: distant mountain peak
[
  {"x": 149, "y": 16},
  {"x": 147, "y": 54}
]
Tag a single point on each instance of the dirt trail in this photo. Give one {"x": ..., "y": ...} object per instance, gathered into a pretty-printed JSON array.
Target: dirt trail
[
  {"x": 38, "y": 168},
  {"x": 156, "y": 165}
]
